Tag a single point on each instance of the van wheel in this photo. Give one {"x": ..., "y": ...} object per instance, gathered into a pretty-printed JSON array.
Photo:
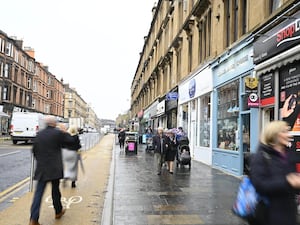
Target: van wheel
[{"x": 15, "y": 142}]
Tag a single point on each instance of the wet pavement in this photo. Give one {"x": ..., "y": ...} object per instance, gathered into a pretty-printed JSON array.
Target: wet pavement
[
  {"x": 120, "y": 189},
  {"x": 200, "y": 195}
]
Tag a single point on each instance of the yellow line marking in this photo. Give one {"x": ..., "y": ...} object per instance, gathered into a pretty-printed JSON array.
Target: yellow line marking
[{"x": 10, "y": 189}]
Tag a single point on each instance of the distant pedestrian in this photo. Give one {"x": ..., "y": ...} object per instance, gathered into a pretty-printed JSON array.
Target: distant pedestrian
[
  {"x": 160, "y": 144},
  {"x": 171, "y": 151},
  {"x": 49, "y": 167},
  {"x": 273, "y": 173},
  {"x": 121, "y": 137},
  {"x": 71, "y": 157}
]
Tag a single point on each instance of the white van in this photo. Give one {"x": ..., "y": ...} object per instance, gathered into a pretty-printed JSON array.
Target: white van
[{"x": 25, "y": 125}]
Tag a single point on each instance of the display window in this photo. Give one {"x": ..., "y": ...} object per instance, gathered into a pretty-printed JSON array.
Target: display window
[{"x": 228, "y": 114}]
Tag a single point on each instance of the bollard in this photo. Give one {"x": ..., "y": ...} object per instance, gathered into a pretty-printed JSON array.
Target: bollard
[{"x": 31, "y": 173}]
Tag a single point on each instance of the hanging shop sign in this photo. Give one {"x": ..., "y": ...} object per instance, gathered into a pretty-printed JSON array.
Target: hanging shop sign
[
  {"x": 280, "y": 38},
  {"x": 172, "y": 96},
  {"x": 267, "y": 90},
  {"x": 161, "y": 108},
  {"x": 251, "y": 85}
]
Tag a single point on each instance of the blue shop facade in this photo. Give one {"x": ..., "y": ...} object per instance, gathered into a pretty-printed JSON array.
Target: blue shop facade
[{"x": 235, "y": 109}]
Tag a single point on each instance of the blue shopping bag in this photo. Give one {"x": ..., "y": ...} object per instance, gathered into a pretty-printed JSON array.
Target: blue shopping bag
[{"x": 246, "y": 200}]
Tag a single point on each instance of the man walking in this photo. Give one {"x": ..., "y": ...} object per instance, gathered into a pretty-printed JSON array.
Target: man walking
[
  {"x": 49, "y": 168},
  {"x": 160, "y": 144}
]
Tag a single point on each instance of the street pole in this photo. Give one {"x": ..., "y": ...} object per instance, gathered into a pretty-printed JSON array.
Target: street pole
[{"x": 31, "y": 173}]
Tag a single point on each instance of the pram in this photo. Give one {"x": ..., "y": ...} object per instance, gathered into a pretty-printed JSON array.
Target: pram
[
  {"x": 149, "y": 143},
  {"x": 183, "y": 154}
]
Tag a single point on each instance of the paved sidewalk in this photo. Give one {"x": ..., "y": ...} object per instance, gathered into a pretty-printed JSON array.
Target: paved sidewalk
[
  {"x": 122, "y": 189},
  {"x": 84, "y": 203},
  {"x": 201, "y": 195}
]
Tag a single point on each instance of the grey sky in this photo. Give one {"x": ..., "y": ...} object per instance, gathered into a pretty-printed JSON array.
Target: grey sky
[{"x": 93, "y": 45}]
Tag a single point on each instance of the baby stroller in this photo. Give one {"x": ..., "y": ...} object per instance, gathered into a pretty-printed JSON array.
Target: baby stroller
[
  {"x": 183, "y": 154},
  {"x": 149, "y": 143}
]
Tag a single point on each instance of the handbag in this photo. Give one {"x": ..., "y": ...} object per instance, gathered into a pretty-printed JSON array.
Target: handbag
[{"x": 249, "y": 205}]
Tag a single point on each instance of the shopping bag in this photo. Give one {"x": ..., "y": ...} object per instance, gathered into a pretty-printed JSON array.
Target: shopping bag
[{"x": 246, "y": 200}]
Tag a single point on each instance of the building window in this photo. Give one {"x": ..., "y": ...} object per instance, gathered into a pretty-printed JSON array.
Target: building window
[
  {"x": 5, "y": 93},
  {"x": 235, "y": 19},
  {"x": 244, "y": 14},
  {"x": 190, "y": 60},
  {"x": 227, "y": 21},
  {"x": 8, "y": 47},
  {"x": 6, "y": 70},
  {"x": 228, "y": 113},
  {"x": 274, "y": 5},
  {"x": 205, "y": 121},
  {"x": 29, "y": 83},
  {"x": 33, "y": 103}
]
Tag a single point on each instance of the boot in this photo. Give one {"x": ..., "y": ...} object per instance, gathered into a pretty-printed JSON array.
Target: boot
[
  {"x": 33, "y": 222},
  {"x": 73, "y": 184}
]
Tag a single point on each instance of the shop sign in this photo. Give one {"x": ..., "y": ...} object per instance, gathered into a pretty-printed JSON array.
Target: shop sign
[
  {"x": 171, "y": 96},
  {"x": 280, "y": 38},
  {"x": 289, "y": 102},
  {"x": 198, "y": 85},
  {"x": 251, "y": 85},
  {"x": 161, "y": 107},
  {"x": 267, "y": 90}
]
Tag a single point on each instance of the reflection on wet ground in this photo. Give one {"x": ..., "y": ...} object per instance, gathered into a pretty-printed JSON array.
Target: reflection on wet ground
[{"x": 200, "y": 195}]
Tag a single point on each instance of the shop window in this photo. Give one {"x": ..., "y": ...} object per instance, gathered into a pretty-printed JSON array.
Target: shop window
[
  {"x": 205, "y": 121},
  {"x": 185, "y": 116},
  {"x": 228, "y": 112}
]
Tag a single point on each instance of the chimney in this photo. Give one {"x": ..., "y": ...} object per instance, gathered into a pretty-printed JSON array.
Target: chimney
[
  {"x": 29, "y": 51},
  {"x": 154, "y": 9}
]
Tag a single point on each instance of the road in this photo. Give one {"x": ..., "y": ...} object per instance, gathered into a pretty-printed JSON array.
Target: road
[{"x": 15, "y": 160}]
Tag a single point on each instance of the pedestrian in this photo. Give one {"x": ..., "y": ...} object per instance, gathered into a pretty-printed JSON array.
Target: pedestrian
[
  {"x": 273, "y": 173},
  {"x": 121, "y": 137},
  {"x": 160, "y": 144},
  {"x": 71, "y": 157},
  {"x": 171, "y": 151},
  {"x": 49, "y": 166}
]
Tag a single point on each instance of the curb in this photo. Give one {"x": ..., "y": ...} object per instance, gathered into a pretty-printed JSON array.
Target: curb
[
  {"x": 13, "y": 188},
  {"x": 107, "y": 213}
]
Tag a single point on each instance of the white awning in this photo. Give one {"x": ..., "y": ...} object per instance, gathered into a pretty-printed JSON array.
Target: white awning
[{"x": 278, "y": 61}]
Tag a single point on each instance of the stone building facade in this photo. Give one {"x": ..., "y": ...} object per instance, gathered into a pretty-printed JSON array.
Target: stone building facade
[{"x": 195, "y": 68}]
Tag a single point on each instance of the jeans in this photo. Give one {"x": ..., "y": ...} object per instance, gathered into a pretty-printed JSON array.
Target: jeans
[
  {"x": 38, "y": 195},
  {"x": 158, "y": 162}
]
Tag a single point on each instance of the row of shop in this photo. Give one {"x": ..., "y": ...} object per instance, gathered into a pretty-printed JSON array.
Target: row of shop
[{"x": 224, "y": 105}]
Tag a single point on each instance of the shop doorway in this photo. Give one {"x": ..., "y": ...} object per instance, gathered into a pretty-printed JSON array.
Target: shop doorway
[
  {"x": 268, "y": 115},
  {"x": 245, "y": 148}
]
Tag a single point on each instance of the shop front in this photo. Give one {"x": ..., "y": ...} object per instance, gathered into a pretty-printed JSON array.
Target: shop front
[
  {"x": 149, "y": 114},
  {"x": 171, "y": 109},
  {"x": 277, "y": 59},
  {"x": 234, "y": 115},
  {"x": 194, "y": 113}
]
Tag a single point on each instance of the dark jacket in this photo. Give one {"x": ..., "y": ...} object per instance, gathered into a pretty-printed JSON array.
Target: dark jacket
[
  {"x": 158, "y": 148},
  {"x": 269, "y": 178},
  {"x": 75, "y": 146},
  {"x": 47, "y": 152},
  {"x": 121, "y": 135}
]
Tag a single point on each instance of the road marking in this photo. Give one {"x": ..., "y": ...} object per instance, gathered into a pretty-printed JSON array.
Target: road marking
[
  {"x": 65, "y": 202},
  {"x": 11, "y": 153},
  {"x": 13, "y": 188}
]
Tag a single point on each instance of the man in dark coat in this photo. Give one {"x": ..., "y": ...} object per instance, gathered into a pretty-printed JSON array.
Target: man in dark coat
[
  {"x": 49, "y": 166},
  {"x": 160, "y": 144}
]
